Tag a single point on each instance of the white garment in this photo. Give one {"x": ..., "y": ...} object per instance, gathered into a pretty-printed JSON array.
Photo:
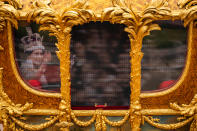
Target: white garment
[{"x": 29, "y": 72}]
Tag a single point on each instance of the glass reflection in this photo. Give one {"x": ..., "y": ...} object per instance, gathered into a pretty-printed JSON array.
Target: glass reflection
[
  {"x": 36, "y": 58},
  {"x": 164, "y": 56}
]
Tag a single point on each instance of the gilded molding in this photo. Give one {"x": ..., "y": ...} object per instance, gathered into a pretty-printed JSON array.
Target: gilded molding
[
  {"x": 188, "y": 111},
  {"x": 34, "y": 127},
  {"x": 117, "y": 123},
  {"x": 8, "y": 109},
  {"x": 59, "y": 24},
  {"x": 188, "y": 15},
  {"x": 167, "y": 126},
  {"x": 138, "y": 26},
  {"x": 83, "y": 123},
  {"x": 9, "y": 13},
  {"x": 10, "y": 113}
]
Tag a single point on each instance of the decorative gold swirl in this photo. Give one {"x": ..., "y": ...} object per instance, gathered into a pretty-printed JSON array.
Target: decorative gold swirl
[
  {"x": 34, "y": 127},
  {"x": 188, "y": 110},
  {"x": 8, "y": 108},
  {"x": 138, "y": 26},
  {"x": 189, "y": 14},
  {"x": 167, "y": 126},
  {"x": 9, "y": 13},
  {"x": 15, "y": 3},
  {"x": 60, "y": 25},
  {"x": 98, "y": 123},
  {"x": 83, "y": 123},
  {"x": 117, "y": 123}
]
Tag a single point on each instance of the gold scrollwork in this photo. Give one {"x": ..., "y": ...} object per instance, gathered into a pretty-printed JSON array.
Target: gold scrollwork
[
  {"x": 82, "y": 123},
  {"x": 185, "y": 110},
  {"x": 138, "y": 26},
  {"x": 59, "y": 24},
  {"x": 10, "y": 113},
  {"x": 117, "y": 123},
  {"x": 188, "y": 110},
  {"x": 8, "y": 109},
  {"x": 9, "y": 13},
  {"x": 167, "y": 126},
  {"x": 189, "y": 12}
]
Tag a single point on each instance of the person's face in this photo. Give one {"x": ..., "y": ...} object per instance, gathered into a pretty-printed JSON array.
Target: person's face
[{"x": 37, "y": 57}]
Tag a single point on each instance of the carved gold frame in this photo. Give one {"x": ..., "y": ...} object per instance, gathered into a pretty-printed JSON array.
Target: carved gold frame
[{"x": 138, "y": 23}]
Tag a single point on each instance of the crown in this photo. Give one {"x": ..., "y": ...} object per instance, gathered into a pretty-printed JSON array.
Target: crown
[{"x": 32, "y": 41}]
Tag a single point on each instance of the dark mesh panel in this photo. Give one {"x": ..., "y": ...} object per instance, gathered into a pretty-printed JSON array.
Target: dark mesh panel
[{"x": 100, "y": 65}]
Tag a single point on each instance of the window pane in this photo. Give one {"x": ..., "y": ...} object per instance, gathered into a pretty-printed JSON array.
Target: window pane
[
  {"x": 36, "y": 58},
  {"x": 164, "y": 56},
  {"x": 100, "y": 65}
]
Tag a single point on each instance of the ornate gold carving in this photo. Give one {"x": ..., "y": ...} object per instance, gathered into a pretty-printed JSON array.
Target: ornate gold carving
[
  {"x": 15, "y": 3},
  {"x": 188, "y": 110},
  {"x": 34, "y": 127},
  {"x": 167, "y": 126},
  {"x": 9, "y": 112},
  {"x": 82, "y": 123},
  {"x": 117, "y": 123},
  {"x": 138, "y": 26},
  {"x": 185, "y": 110},
  {"x": 59, "y": 24},
  {"x": 189, "y": 14},
  {"x": 9, "y": 13},
  {"x": 8, "y": 109}
]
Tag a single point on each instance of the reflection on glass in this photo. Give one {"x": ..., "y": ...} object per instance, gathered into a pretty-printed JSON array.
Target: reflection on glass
[
  {"x": 36, "y": 58},
  {"x": 100, "y": 65},
  {"x": 164, "y": 56}
]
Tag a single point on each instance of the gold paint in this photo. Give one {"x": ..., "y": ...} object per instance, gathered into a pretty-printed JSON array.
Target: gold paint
[
  {"x": 117, "y": 123},
  {"x": 41, "y": 112},
  {"x": 138, "y": 26},
  {"x": 150, "y": 112},
  {"x": 82, "y": 123},
  {"x": 8, "y": 109},
  {"x": 188, "y": 110},
  {"x": 167, "y": 126},
  {"x": 59, "y": 22},
  {"x": 189, "y": 14},
  {"x": 34, "y": 127},
  {"x": 98, "y": 5},
  {"x": 9, "y": 13},
  {"x": 1, "y": 48},
  {"x": 60, "y": 25},
  {"x": 104, "y": 112}
]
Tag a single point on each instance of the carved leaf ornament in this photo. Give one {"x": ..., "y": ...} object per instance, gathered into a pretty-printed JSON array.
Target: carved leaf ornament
[{"x": 59, "y": 24}]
